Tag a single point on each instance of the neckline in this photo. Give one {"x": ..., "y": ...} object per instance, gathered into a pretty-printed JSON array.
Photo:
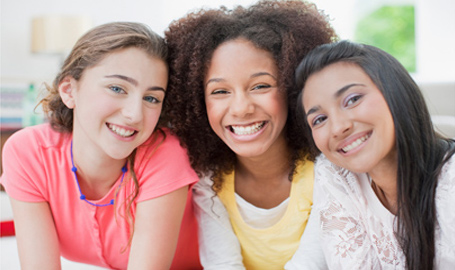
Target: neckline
[
  {"x": 259, "y": 209},
  {"x": 297, "y": 177},
  {"x": 374, "y": 204}
]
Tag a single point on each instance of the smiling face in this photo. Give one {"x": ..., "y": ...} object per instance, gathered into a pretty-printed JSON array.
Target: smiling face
[
  {"x": 245, "y": 106},
  {"x": 117, "y": 103},
  {"x": 350, "y": 120}
]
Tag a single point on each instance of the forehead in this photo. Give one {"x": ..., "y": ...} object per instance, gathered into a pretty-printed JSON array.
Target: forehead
[
  {"x": 322, "y": 85},
  {"x": 130, "y": 62},
  {"x": 231, "y": 55},
  {"x": 126, "y": 59},
  {"x": 337, "y": 73},
  {"x": 334, "y": 76}
]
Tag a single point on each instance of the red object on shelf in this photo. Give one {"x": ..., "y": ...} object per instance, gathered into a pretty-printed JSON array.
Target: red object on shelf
[{"x": 7, "y": 228}]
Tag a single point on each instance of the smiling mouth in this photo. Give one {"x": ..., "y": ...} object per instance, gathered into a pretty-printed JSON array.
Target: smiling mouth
[
  {"x": 247, "y": 130},
  {"x": 121, "y": 131},
  {"x": 356, "y": 143}
]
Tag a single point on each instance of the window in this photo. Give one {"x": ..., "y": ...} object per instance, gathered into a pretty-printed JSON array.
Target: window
[{"x": 390, "y": 28}]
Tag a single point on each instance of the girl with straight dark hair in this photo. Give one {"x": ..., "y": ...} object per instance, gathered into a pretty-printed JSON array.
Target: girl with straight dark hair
[{"x": 385, "y": 181}]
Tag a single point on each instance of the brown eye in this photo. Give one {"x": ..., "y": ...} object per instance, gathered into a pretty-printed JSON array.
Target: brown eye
[
  {"x": 352, "y": 99},
  {"x": 261, "y": 86},
  {"x": 219, "y": 91},
  {"x": 318, "y": 120}
]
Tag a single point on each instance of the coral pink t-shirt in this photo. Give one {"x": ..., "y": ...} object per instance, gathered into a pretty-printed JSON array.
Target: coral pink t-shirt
[{"x": 37, "y": 168}]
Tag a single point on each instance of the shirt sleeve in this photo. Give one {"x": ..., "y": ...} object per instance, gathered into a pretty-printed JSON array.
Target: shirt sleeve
[
  {"x": 162, "y": 166},
  {"x": 445, "y": 231},
  {"x": 219, "y": 247},
  {"x": 343, "y": 213},
  {"x": 310, "y": 255},
  {"x": 23, "y": 175}
]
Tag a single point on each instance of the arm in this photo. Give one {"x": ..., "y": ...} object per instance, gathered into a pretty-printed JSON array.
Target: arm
[
  {"x": 156, "y": 231},
  {"x": 309, "y": 255},
  {"x": 37, "y": 239},
  {"x": 218, "y": 245}
]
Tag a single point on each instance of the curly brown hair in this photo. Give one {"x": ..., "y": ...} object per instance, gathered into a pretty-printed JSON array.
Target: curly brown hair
[{"x": 286, "y": 29}]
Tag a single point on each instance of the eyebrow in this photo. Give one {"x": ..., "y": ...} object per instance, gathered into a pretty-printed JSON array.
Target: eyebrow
[
  {"x": 262, "y": 74},
  {"x": 255, "y": 75},
  {"x": 345, "y": 88},
  {"x": 336, "y": 95},
  {"x": 134, "y": 82},
  {"x": 214, "y": 80}
]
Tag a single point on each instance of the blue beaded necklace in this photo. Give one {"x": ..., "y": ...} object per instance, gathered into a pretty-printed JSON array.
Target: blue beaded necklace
[{"x": 82, "y": 197}]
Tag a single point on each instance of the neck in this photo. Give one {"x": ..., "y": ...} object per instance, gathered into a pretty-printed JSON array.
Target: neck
[
  {"x": 96, "y": 191},
  {"x": 384, "y": 183},
  {"x": 93, "y": 168},
  {"x": 264, "y": 181},
  {"x": 272, "y": 166}
]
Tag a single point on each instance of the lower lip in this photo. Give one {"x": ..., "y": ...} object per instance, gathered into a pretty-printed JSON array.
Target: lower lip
[
  {"x": 125, "y": 139},
  {"x": 356, "y": 149},
  {"x": 250, "y": 137}
]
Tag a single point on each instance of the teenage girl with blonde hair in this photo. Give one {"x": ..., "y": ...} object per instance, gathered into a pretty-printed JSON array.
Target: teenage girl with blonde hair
[{"x": 102, "y": 183}]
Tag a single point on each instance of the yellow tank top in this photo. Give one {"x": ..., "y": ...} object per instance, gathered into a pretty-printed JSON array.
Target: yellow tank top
[{"x": 272, "y": 247}]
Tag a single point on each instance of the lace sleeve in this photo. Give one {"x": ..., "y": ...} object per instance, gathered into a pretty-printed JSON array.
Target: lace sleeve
[
  {"x": 353, "y": 236},
  {"x": 445, "y": 229}
]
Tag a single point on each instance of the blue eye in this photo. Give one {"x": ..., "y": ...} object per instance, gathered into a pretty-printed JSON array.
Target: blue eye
[
  {"x": 352, "y": 99},
  {"x": 116, "y": 89},
  {"x": 151, "y": 99}
]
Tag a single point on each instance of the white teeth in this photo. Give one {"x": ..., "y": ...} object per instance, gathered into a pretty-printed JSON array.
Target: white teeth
[
  {"x": 355, "y": 143},
  {"x": 247, "y": 130},
  {"x": 120, "y": 131}
]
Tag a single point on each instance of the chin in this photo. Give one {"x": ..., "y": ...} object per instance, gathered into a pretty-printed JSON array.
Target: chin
[
  {"x": 250, "y": 153},
  {"x": 120, "y": 155}
]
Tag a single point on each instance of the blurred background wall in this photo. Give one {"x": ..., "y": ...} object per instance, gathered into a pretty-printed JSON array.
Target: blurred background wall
[
  {"x": 431, "y": 29},
  {"x": 434, "y": 23}
]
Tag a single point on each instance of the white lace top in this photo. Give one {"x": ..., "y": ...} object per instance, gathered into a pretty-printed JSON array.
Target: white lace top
[{"x": 357, "y": 231}]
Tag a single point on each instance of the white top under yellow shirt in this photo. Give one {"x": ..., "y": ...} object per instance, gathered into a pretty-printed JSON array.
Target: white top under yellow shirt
[{"x": 272, "y": 247}]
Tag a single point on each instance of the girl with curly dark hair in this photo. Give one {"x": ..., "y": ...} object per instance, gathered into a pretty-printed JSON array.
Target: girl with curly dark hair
[{"x": 231, "y": 100}]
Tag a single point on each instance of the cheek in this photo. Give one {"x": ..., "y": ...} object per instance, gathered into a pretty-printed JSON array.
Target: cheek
[
  {"x": 278, "y": 106},
  {"x": 102, "y": 107},
  {"x": 152, "y": 117},
  {"x": 283, "y": 110},
  {"x": 389, "y": 127},
  {"x": 281, "y": 114},
  {"x": 320, "y": 138},
  {"x": 381, "y": 113},
  {"x": 376, "y": 106},
  {"x": 212, "y": 113}
]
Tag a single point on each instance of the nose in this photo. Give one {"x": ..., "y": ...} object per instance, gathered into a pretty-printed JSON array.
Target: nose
[
  {"x": 241, "y": 104},
  {"x": 132, "y": 110},
  {"x": 340, "y": 125}
]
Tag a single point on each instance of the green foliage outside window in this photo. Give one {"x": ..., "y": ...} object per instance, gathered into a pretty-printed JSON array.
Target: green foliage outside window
[{"x": 391, "y": 28}]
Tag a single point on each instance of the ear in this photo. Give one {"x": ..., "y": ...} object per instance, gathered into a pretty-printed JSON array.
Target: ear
[{"x": 66, "y": 89}]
